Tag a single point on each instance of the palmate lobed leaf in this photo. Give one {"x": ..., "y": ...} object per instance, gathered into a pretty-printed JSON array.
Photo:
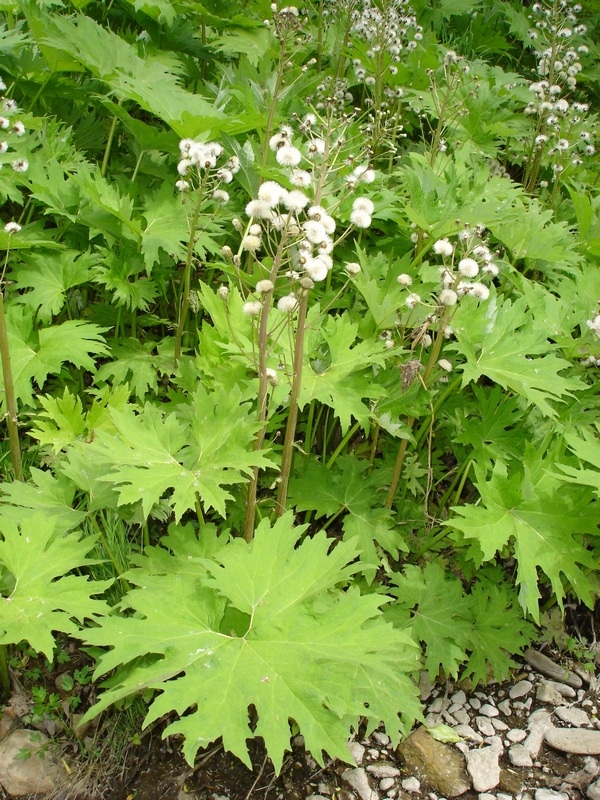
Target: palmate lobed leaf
[
  {"x": 301, "y": 648},
  {"x": 509, "y": 345},
  {"x": 45, "y": 598},
  {"x": 539, "y": 518}
]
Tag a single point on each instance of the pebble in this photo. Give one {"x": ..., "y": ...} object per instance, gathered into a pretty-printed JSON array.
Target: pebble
[
  {"x": 593, "y": 791},
  {"x": 539, "y": 722},
  {"x": 386, "y": 783},
  {"x": 499, "y": 725},
  {"x": 566, "y": 691},
  {"x": 357, "y": 779},
  {"x": 546, "y": 693},
  {"x": 439, "y": 704},
  {"x": 503, "y": 796},
  {"x": 475, "y": 703},
  {"x": 516, "y": 735},
  {"x": 483, "y": 766},
  {"x": 461, "y": 716},
  {"x": 381, "y": 738},
  {"x": 484, "y": 726},
  {"x": 357, "y": 751},
  {"x": 37, "y": 773},
  {"x": 411, "y": 785},
  {"x": 383, "y": 770},
  {"x": 488, "y": 710},
  {"x": 487, "y": 796},
  {"x": 459, "y": 698},
  {"x": 572, "y": 716},
  {"x": 519, "y": 757},
  {"x": 520, "y": 689},
  {"x": 505, "y": 708},
  {"x": 467, "y": 732},
  {"x": 574, "y": 740},
  {"x": 551, "y": 669},
  {"x": 549, "y": 794}
]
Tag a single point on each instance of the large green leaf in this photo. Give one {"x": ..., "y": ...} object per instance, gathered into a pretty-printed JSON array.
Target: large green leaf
[
  {"x": 509, "y": 345},
  {"x": 44, "y": 597},
  {"x": 540, "y": 519},
  {"x": 266, "y": 625}
]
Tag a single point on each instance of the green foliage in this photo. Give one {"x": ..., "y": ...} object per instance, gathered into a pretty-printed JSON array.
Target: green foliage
[
  {"x": 267, "y": 625},
  {"x": 44, "y": 597},
  {"x": 402, "y": 354}
]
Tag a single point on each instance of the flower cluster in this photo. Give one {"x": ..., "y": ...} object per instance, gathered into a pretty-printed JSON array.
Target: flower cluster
[
  {"x": 10, "y": 128},
  {"x": 468, "y": 267},
  {"x": 198, "y": 168},
  {"x": 291, "y": 232},
  {"x": 563, "y": 132}
]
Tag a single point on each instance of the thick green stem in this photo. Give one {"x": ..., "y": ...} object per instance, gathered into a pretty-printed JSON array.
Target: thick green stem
[
  {"x": 9, "y": 390},
  {"x": 109, "y": 141},
  {"x": 290, "y": 431}
]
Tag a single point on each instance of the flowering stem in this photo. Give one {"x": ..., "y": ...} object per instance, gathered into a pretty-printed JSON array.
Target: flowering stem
[
  {"x": 433, "y": 358},
  {"x": 9, "y": 389},
  {"x": 290, "y": 431},
  {"x": 263, "y": 391},
  {"x": 187, "y": 276}
]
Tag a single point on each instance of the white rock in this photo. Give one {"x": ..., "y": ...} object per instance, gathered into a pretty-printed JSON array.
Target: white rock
[
  {"x": 549, "y": 794},
  {"x": 357, "y": 778},
  {"x": 502, "y": 796},
  {"x": 432, "y": 720},
  {"x": 383, "y": 770},
  {"x": 519, "y": 757},
  {"x": 516, "y": 735},
  {"x": 411, "y": 785},
  {"x": 461, "y": 716},
  {"x": 566, "y": 691},
  {"x": 357, "y": 751},
  {"x": 381, "y": 738},
  {"x": 439, "y": 704},
  {"x": 593, "y": 791},
  {"x": 573, "y": 716},
  {"x": 505, "y": 708},
  {"x": 499, "y": 725},
  {"x": 475, "y": 703},
  {"x": 486, "y": 796},
  {"x": 484, "y": 726},
  {"x": 546, "y": 693},
  {"x": 23, "y": 776},
  {"x": 467, "y": 732},
  {"x": 449, "y": 719},
  {"x": 483, "y": 766},
  {"x": 539, "y": 722},
  {"x": 520, "y": 689},
  {"x": 574, "y": 740},
  {"x": 488, "y": 710},
  {"x": 386, "y": 783},
  {"x": 459, "y": 698}
]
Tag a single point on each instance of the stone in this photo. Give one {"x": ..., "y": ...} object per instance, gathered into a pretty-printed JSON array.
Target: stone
[
  {"x": 462, "y": 717},
  {"x": 548, "y": 694},
  {"x": 425, "y": 686},
  {"x": 467, "y": 732},
  {"x": 574, "y": 740},
  {"x": 572, "y": 716},
  {"x": 519, "y": 757},
  {"x": 475, "y": 703},
  {"x": 593, "y": 791},
  {"x": 439, "y": 704},
  {"x": 511, "y": 783},
  {"x": 488, "y": 710},
  {"x": 33, "y": 775},
  {"x": 549, "y": 794},
  {"x": 505, "y": 707},
  {"x": 386, "y": 783},
  {"x": 516, "y": 735},
  {"x": 539, "y": 722},
  {"x": 381, "y": 738},
  {"x": 566, "y": 691},
  {"x": 583, "y": 777},
  {"x": 551, "y": 669},
  {"x": 484, "y": 768},
  {"x": 484, "y": 726},
  {"x": 499, "y": 726},
  {"x": 411, "y": 785},
  {"x": 438, "y": 765},
  {"x": 502, "y": 796},
  {"x": 520, "y": 689},
  {"x": 357, "y": 751},
  {"x": 382, "y": 770},
  {"x": 358, "y": 780},
  {"x": 487, "y": 796},
  {"x": 459, "y": 698}
]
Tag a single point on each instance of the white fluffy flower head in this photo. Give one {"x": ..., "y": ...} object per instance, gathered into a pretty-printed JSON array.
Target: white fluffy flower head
[{"x": 443, "y": 247}]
